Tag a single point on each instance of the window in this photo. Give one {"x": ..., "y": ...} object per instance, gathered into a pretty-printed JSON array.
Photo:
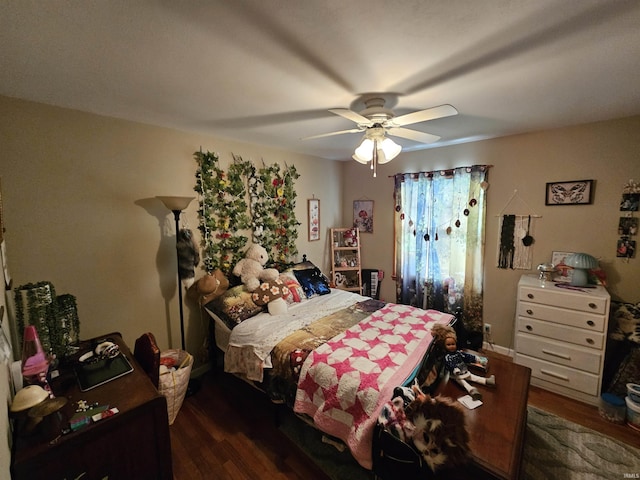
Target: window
[{"x": 439, "y": 239}]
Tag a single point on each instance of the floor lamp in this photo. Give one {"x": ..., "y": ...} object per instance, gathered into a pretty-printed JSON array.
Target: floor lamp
[{"x": 177, "y": 205}]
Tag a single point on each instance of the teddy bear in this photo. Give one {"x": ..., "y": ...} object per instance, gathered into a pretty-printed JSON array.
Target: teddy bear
[
  {"x": 251, "y": 268},
  {"x": 272, "y": 294},
  {"x": 211, "y": 286}
]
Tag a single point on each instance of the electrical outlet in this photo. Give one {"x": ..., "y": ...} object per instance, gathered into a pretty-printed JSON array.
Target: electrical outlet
[{"x": 487, "y": 328}]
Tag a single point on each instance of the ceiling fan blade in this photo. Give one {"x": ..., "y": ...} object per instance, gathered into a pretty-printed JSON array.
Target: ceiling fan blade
[
  {"x": 413, "y": 135},
  {"x": 351, "y": 115},
  {"x": 352, "y": 130},
  {"x": 424, "y": 115}
]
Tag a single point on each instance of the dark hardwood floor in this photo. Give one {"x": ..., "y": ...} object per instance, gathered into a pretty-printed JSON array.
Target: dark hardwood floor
[{"x": 227, "y": 431}]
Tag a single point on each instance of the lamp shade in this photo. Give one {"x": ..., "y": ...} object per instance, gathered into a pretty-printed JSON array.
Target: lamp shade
[
  {"x": 580, "y": 262},
  {"x": 176, "y": 203}
]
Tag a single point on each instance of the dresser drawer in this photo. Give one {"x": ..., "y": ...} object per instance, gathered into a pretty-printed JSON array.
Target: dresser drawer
[
  {"x": 565, "y": 299},
  {"x": 574, "y": 318},
  {"x": 565, "y": 354},
  {"x": 577, "y": 336},
  {"x": 560, "y": 375}
]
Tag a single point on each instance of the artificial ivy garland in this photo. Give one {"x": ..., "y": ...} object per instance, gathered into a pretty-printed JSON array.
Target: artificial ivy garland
[{"x": 224, "y": 213}]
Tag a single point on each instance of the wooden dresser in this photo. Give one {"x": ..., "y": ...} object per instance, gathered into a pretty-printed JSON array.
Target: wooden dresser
[
  {"x": 561, "y": 335},
  {"x": 133, "y": 443}
]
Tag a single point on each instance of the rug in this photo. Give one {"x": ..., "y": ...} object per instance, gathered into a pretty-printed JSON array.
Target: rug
[
  {"x": 557, "y": 448},
  {"x": 554, "y": 448}
]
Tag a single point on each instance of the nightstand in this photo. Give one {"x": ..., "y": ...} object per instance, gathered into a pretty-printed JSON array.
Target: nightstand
[
  {"x": 133, "y": 443},
  {"x": 561, "y": 335}
]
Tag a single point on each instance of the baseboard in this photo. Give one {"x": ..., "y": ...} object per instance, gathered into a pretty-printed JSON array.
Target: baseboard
[{"x": 490, "y": 347}]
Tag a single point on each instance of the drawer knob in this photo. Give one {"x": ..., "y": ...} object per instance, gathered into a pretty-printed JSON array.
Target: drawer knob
[
  {"x": 593, "y": 305},
  {"x": 591, "y": 323},
  {"x": 529, "y": 327},
  {"x": 529, "y": 311},
  {"x": 530, "y": 295},
  {"x": 590, "y": 341}
]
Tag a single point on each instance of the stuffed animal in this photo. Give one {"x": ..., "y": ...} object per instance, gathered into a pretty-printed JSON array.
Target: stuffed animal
[
  {"x": 272, "y": 294},
  {"x": 188, "y": 256},
  {"x": 212, "y": 286},
  {"x": 251, "y": 268},
  {"x": 440, "y": 433}
]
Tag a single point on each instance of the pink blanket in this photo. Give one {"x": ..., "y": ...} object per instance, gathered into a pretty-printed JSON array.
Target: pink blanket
[{"x": 345, "y": 382}]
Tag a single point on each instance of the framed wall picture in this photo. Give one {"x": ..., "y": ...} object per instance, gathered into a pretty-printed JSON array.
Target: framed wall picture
[
  {"x": 363, "y": 215},
  {"x": 575, "y": 192},
  {"x": 313, "y": 212}
]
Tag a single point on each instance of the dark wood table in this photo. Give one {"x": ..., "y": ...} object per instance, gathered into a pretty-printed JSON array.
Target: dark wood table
[
  {"x": 133, "y": 443},
  {"x": 497, "y": 427}
]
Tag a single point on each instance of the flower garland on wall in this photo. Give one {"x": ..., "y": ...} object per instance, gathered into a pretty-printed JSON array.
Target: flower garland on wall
[
  {"x": 225, "y": 215},
  {"x": 223, "y": 211},
  {"x": 273, "y": 201}
]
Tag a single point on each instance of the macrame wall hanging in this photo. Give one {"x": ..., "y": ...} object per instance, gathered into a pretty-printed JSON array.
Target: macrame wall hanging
[{"x": 515, "y": 244}]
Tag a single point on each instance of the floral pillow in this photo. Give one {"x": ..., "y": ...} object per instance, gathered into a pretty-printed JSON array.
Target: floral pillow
[
  {"x": 296, "y": 292},
  {"x": 234, "y": 306}
]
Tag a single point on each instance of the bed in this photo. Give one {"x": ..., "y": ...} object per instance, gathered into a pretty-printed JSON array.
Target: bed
[{"x": 334, "y": 357}]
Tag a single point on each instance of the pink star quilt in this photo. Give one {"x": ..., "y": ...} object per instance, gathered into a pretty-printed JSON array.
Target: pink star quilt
[{"x": 345, "y": 382}]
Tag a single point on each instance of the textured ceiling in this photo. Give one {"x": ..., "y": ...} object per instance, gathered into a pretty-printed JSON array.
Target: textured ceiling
[{"x": 267, "y": 71}]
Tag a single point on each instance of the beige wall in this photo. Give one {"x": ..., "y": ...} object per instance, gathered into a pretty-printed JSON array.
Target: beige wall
[
  {"x": 80, "y": 211},
  {"x": 606, "y": 152}
]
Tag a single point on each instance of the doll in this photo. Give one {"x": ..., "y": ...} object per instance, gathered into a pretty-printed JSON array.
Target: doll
[{"x": 457, "y": 360}]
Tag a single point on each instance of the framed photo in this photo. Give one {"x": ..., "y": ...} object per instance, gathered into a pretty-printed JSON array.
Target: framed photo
[
  {"x": 575, "y": 192},
  {"x": 313, "y": 212},
  {"x": 627, "y": 226},
  {"x": 363, "y": 215},
  {"x": 630, "y": 202},
  {"x": 565, "y": 272},
  {"x": 626, "y": 248}
]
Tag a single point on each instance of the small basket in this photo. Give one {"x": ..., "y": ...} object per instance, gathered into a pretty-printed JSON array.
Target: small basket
[{"x": 173, "y": 384}]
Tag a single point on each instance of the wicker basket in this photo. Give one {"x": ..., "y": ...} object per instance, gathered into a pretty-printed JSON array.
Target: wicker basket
[{"x": 173, "y": 385}]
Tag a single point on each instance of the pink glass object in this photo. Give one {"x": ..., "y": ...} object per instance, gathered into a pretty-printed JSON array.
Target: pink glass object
[{"x": 34, "y": 361}]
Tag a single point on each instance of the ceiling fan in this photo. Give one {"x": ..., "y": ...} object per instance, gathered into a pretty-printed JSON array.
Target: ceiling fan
[{"x": 376, "y": 122}]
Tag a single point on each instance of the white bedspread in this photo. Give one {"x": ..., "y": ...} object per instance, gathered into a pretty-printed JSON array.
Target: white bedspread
[{"x": 252, "y": 340}]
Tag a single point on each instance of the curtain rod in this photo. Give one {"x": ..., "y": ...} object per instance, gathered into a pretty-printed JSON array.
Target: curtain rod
[{"x": 486, "y": 167}]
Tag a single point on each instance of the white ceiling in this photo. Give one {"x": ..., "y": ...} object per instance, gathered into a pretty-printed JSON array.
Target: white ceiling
[{"x": 267, "y": 71}]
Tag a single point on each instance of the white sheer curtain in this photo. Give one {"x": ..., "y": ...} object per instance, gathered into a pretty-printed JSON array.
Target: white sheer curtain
[{"x": 439, "y": 240}]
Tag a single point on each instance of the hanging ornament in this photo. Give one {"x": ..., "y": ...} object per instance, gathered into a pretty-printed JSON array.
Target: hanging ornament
[
  {"x": 398, "y": 208},
  {"x": 402, "y": 216},
  {"x": 426, "y": 237},
  {"x": 448, "y": 230},
  {"x": 484, "y": 185},
  {"x": 458, "y": 223},
  {"x": 436, "y": 235},
  {"x": 466, "y": 212},
  {"x": 411, "y": 223},
  {"x": 473, "y": 202},
  {"x": 414, "y": 232}
]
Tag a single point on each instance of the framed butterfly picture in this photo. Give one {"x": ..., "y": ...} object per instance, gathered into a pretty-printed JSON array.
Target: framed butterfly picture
[{"x": 575, "y": 192}]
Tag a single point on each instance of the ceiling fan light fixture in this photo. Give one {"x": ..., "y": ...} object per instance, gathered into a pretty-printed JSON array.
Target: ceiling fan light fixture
[
  {"x": 364, "y": 152},
  {"x": 391, "y": 150}
]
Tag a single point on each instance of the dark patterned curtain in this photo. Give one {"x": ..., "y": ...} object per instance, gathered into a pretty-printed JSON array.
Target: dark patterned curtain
[{"x": 439, "y": 240}]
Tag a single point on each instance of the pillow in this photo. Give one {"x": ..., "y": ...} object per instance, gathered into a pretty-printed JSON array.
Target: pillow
[
  {"x": 313, "y": 282},
  {"x": 234, "y": 306},
  {"x": 296, "y": 292}
]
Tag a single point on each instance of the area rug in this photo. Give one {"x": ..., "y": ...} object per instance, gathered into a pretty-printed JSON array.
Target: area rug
[
  {"x": 557, "y": 448},
  {"x": 554, "y": 448}
]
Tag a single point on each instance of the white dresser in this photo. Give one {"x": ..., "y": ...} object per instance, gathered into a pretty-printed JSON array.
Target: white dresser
[{"x": 561, "y": 336}]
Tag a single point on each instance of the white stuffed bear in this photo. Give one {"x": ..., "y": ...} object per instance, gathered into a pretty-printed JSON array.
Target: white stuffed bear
[{"x": 251, "y": 268}]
